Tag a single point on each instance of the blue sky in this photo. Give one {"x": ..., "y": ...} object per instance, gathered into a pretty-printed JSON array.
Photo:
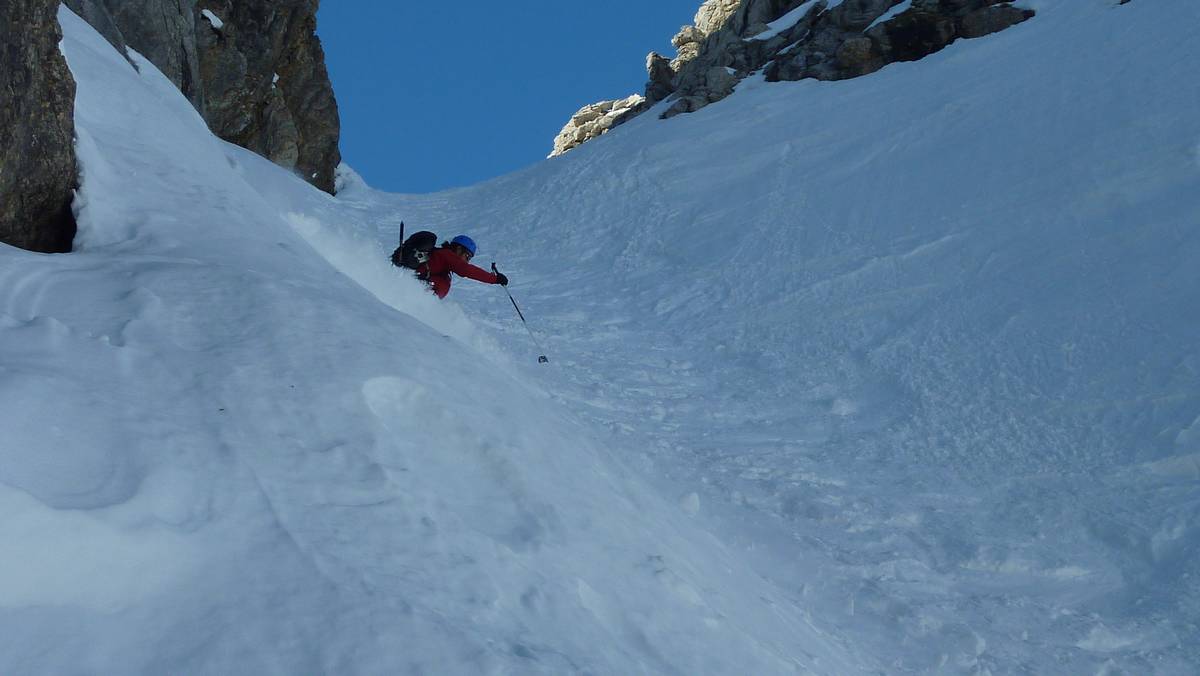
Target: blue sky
[{"x": 437, "y": 95}]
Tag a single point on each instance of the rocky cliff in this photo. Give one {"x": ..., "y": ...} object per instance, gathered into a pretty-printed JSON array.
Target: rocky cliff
[
  {"x": 264, "y": 83},
  {"x": 793, "y": 40},
  {"x": 254, "y": 69},
  {"x": 37, "y": 154}
]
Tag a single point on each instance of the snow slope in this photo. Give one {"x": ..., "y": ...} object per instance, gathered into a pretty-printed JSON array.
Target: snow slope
[
  {"x": 222, "y": 456},
  {"x": 926, "y": 341},
  {"x": 894, "y": 375}
]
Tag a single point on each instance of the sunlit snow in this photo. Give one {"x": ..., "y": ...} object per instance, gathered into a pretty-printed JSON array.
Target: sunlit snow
[{"x": 893, "y": 375}]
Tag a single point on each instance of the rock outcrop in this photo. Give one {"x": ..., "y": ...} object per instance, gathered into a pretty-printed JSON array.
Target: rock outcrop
[
  {"x": 688, "y": 42},
  {"x": 254, "y": 69},
  {"x": 846, "y": 42},
  {"x": 164, "y": 32},
  {"x": 797, "y": 39},
  {"x": 37, "y": 129},
  {"x": 95, "y": 12},
  {"x": 594, "y": 120},
  {"x": 265, "y": 86}
]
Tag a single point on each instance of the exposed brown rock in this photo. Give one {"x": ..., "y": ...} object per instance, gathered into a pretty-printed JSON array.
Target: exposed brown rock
[
  {"x": 731, "y": 40},
  {"x": 660, "y": 84},
  {"x": 265, "y": 84},
  {"x": 37, "y": 153},
  {"x": 990, "y": 20},
  {"x": 255, "y": 71},
  {"x": 164, "y": 32},
  {"x": 928, "y": 26},
  {"x": 96, "y": 13}
]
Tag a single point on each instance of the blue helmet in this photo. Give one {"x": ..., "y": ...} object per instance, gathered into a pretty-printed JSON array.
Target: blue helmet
[{"x": 465, "y": 242}]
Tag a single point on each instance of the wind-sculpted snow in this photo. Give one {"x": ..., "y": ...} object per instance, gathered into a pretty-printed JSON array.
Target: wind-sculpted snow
[
  {"x": 222, "y": 455},
  {"x": 929, "y": 349},
  {"x": 881, "y": 376}
]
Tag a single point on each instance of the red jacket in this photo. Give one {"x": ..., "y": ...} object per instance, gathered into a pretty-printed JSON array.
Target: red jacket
[{"x": 436, "y": 271}]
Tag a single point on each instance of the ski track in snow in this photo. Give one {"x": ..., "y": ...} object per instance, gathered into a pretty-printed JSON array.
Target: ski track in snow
[{"x": 222, "y": 456}]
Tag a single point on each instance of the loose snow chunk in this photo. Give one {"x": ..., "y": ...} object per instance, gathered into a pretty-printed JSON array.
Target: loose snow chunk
[
  {"x": 890, "y": 14},
  {"x": 212, "y": 19},
  {"x": 690, "y": 504},
  {"x": 788, "y": 20}
]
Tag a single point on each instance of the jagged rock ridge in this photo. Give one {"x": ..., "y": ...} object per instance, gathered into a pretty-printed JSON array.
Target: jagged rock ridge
[{"x": 797, "y": 39}]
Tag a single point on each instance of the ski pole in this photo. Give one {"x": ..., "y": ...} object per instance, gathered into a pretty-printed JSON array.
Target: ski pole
[{"x": 541, "y": 357}]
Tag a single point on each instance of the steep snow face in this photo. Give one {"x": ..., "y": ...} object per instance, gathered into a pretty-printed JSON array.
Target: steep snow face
[
  {"x": 892, "y": 375},
  {"x": 222, "y": 456},
  {"x": 927, "y": 341}
]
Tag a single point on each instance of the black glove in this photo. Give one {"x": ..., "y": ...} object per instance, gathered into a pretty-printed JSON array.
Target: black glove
[{"x": 501, "y": 279}]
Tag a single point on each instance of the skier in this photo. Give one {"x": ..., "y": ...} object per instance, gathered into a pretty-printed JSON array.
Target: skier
[{"x": 455, "y": 256}]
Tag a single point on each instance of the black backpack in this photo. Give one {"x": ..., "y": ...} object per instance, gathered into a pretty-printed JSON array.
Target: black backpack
[{"x": 414, "y": 251}]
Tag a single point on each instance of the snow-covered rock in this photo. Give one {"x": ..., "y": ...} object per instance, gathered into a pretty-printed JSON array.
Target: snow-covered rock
[{"x": 819, "y": 39}]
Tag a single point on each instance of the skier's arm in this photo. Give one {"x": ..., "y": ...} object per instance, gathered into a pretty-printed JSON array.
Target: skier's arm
[{"x": 465, "y": 269}]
